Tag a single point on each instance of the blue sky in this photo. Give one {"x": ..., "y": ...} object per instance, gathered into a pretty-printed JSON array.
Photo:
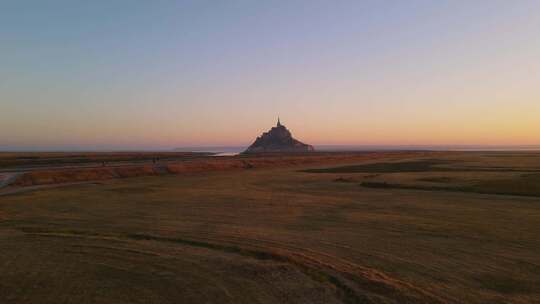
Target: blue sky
[{"x": 160, "y": 74}]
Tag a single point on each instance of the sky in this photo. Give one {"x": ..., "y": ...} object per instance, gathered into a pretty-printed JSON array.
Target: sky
[{"x": 158, "y": 74}]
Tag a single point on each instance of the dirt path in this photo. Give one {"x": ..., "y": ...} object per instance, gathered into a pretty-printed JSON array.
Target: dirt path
[
  {"x": 16, "y": 190},
  {"x": 93, "y": 165}
]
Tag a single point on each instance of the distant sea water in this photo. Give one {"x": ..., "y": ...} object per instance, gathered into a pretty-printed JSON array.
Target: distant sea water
[
  {"x": 218, "y": 151},
  {"x": 234, "y": 150}
]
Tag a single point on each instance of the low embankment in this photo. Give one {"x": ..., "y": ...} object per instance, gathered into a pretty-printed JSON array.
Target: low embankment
[{"x": 74, "y": 175}]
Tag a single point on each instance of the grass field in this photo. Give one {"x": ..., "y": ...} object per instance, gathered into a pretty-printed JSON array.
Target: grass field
[{"x": 415, "y": 228}]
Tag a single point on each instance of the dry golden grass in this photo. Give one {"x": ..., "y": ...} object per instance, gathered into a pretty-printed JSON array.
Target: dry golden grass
[
  {"x": 279, "y": 235},
  {"x": 49, "y": 174}
]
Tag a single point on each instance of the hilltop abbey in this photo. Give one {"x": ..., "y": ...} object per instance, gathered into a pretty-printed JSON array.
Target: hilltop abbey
[{"x": 278, "y": 139}]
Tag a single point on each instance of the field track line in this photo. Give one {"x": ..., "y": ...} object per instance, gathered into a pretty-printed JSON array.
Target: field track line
[{"x": 356, "y": 284}]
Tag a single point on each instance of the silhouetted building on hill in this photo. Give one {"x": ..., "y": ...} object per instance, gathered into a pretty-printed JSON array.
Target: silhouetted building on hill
[{"x": 278, "y": 139}]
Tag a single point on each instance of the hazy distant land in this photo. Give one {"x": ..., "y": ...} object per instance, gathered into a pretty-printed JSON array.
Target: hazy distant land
[{"x": 353, "y": 148}]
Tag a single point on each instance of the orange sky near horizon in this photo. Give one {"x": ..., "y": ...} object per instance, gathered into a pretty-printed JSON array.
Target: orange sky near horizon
[{"x": 160, "y": 76}]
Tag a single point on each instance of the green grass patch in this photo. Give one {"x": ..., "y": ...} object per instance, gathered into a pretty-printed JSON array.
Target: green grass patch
[
  {"x": 483, "y": 188},
  {"x": 431, "y": 165},
  {"x": 412, "y": 166}
]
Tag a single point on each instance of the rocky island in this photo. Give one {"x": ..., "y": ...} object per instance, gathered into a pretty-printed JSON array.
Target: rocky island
[{"x": 278, "y": 139}]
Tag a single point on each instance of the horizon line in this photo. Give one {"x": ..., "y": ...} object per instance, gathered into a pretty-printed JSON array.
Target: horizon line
[{"x": 324, "y": 147}]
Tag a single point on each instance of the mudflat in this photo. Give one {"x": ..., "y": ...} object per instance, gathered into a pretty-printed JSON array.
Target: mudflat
[{"x": 452, "y": 227}]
